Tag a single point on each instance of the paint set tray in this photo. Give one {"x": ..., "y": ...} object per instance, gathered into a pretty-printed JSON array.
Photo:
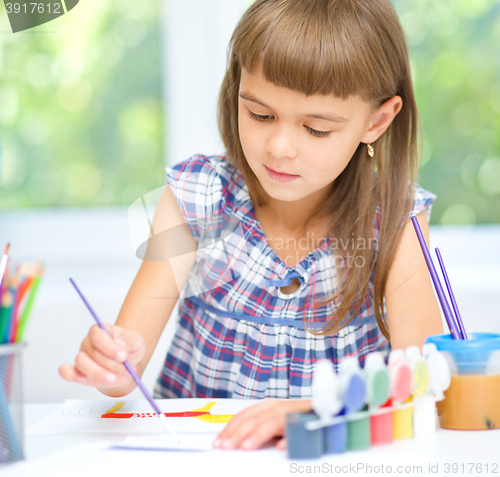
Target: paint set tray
[
  {"x": 310, "y": 437},
  {"x": 357, "y": 408}
]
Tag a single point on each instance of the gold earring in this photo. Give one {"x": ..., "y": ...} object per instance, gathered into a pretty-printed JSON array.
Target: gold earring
[{"x": 371, "y": 152}]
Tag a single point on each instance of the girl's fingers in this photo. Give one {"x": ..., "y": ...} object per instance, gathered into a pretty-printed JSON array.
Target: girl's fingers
[
  {"x": 234, "y": 425},
  {"x": 263, "y": 432},
  {"x": 100, "y": 360},
  {"x": 132, "y": 340},
  {"x": 232, "y": 439},
  {"x": 100, "y": 340},
  {"x": 249, "y": 413},
  {"x": 68, "y": 372},
  {"x": 258, "y": 424},
  {"x": 251, "y": 432},
  {"x": 282, "y": 444},
  {"x": 111, "y": 365},
  {"x": 120, "y": 345},
  {"x": 91, "y": 373}
]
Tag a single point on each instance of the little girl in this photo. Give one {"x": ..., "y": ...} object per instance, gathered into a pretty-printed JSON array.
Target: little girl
[{"x": 318, "y": 117}]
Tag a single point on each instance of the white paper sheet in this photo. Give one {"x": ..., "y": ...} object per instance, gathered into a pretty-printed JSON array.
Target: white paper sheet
[{"x": 137, "y": 417}]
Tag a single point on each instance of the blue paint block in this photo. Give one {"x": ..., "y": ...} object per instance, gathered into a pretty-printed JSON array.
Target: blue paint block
[
  {"x": 302, "y": 443},
  {"x": 335, "y": 438}
]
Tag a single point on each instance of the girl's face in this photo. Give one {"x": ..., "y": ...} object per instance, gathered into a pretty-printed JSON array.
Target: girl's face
[{"x": 297, "y": 145}]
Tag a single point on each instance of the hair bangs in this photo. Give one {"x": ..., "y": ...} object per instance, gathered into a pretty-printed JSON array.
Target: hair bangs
[{"x": 313, "y": 50}]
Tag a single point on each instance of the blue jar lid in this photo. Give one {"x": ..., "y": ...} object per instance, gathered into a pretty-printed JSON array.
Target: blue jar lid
[{"x": 476, "y": 342}]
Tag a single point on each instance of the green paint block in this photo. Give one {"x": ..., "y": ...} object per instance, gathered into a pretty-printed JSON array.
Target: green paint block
[{"x": 358, "y": 434}]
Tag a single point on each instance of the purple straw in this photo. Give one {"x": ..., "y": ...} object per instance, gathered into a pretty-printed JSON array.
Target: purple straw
[
  {"x": 452, "y": 296},
  {"x": 450, "y": 319},
  {"x": 131, "y": 370}
]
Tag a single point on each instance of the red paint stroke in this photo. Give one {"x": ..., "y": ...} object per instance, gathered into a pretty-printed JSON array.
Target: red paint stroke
[
  {"x": 117, "y": 415},
  {"x": 128, "y": 415}
]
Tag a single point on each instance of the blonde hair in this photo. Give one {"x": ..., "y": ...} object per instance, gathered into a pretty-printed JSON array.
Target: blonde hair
[{"x": 344, "y": 48}]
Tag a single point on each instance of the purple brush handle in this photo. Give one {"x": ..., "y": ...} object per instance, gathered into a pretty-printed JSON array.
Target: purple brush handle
[
  {"x": 450, "y": 320},
  {"x": 452, "y": 296},
  {"x": 129, "y": 367}
]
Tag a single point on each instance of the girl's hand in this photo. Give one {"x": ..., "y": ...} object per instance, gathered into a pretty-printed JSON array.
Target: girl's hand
[
  {"x": 259, "y": 424},
  {"x": 100, "y": 360}
]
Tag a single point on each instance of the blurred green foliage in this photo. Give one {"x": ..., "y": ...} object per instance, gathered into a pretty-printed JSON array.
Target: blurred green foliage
[
  {"x": 454, "y": 45},
  {"x": 81, "y": 111},
  {"x": 80, "y": 107}
]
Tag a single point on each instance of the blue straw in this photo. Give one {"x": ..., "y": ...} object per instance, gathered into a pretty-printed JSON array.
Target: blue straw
[
  {"x": 450, "y": 319},
  {"x": 452, "y": 295}
]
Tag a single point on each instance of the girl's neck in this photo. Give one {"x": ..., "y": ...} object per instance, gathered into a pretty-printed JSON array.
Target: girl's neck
[
  {"x": 289, "y": 234},
  {"x": 295, "y": 217},
  {"x": 291, "y": 217}
]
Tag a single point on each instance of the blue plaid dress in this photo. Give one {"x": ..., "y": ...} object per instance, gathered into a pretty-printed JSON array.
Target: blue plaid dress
[{"x": 239, "y": 335}]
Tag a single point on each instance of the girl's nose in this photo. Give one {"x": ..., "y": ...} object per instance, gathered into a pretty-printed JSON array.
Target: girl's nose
[{"x": 281, "y": 144}]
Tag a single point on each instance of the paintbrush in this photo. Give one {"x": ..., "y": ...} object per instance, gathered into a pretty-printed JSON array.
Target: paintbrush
[
  {"x": 450, "y": 318},
  {"x": 132, "y": 372}
]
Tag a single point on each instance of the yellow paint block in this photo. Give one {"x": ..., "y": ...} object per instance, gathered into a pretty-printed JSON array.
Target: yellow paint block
[
  {"x": 402, "y": 423},
  {"x": 420, "y": 378}
]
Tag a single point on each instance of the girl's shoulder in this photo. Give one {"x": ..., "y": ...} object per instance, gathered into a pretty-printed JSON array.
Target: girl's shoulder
[
  {"x": 201, "y": 171},
  {"x": 204, "y": 164},
  {"x": 205, "y": 186},
  {"x": 422, "y": 200}
]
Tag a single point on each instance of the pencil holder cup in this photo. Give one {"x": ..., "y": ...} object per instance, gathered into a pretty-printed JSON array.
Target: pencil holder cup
[
  {"x": 11, "y": 412},
  {"x": 472, "y": 402}
]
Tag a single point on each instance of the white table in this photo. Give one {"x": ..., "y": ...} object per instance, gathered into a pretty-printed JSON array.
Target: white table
[{"x": 431, "y": 453}]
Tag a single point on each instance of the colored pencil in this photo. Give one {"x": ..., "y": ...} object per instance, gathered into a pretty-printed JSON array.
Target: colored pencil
[
  {"x": 5, "y": 314},
  {"x": 17, "y": 295},
  {"x": 27, "y": 310}
]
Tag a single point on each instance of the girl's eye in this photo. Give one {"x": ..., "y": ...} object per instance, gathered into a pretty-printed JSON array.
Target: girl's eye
[
  {"x": 317, "y": 133},
  {"x": 259, "y": 117},
  {"x": 265, "y": 118}
]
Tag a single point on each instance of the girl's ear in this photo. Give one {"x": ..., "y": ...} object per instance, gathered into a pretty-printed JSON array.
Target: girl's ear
[{"x": 382, "y": 118}]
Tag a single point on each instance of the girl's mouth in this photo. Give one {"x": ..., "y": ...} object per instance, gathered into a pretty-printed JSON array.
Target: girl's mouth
[{"x": 280, "y": 176}]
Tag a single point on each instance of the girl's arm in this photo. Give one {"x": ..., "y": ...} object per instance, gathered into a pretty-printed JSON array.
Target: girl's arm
[
  {"x": 144, "y": 313},
  {"x": 412, "y": 308}
]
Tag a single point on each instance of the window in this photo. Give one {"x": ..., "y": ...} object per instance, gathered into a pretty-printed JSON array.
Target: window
[{"x": 81, "y": 120}]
